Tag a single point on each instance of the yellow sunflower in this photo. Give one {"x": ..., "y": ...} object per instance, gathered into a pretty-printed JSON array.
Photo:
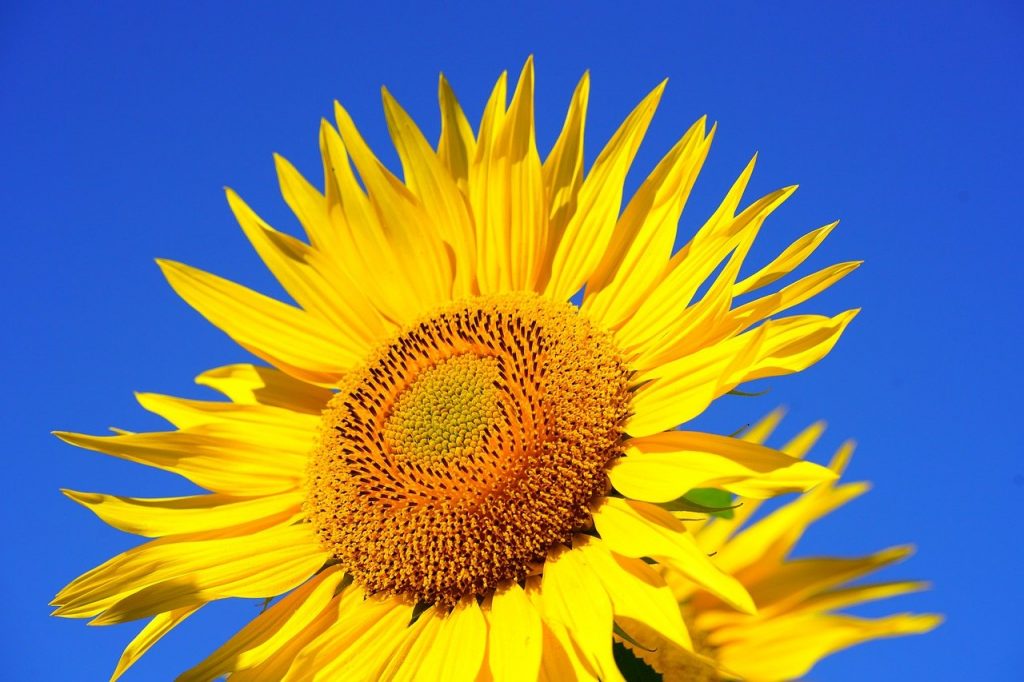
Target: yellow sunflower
[
  {"x": 797, "y": 621},
  {"x": 451, "y": 471}
]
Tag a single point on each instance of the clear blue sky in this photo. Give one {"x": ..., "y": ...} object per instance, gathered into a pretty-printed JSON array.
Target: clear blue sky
[{"x": 120, "y": 126}]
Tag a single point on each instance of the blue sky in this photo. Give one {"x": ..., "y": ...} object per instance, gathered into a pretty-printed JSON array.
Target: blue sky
[{"x": 122, "y": 124}]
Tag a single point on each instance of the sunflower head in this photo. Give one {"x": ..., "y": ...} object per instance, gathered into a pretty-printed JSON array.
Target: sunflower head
[
  {"x": 470, "y": 427},
  {"x": 468, "y": 446}
]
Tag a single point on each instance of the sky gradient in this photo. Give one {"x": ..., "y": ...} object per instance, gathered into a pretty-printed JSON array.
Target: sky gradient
[{"x": 121, "y": 125}]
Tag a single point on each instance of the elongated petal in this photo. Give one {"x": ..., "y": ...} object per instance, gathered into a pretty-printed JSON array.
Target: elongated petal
[
  {"x": 516, "y": 636},
  {"x": 507, "y": 193},
  {"x": 365, "y": 252},
  {"x": 155, "y": 629},
  {"x": 642, "y": 242},
  {"x": 185, "y": 414},
  {"x": 574, "y": 598},
  {"x": 456, "y": 145},
  {"x": 666, "y": 466},
  {"x": 663, "y": 308},
  {"x": 437, "y": 192},
  {"x": 430, "y": 652},
  {"x": 179, "y": 571},
  {"x": 795, "y": 254},
  {"x": 713, "y": 534},
  {"x": 637, "y": 529},
  {"x": 249, "y": 384},
  {"x": 312, "y": 281},
  {"x": 266, "y": 633},
  {"x": 417, "y": 245},
  {"x": 218, "y": 458},
  {"x": 682, "y": 389},
  {"x": 589, "y": 229},
  {"x": 792, "y": 295},
  {"x": 563, "y": 170},
  {"x": 284, "y": 336},
  {"x": 640, "y": 599},
  {"x": 762, "y": 546},
  {"x": 842, "y": 598},
  {"x": 458, "y": 651},
  {"x": 362, "y": 638},
  {"x": 798, "y": 579},
  {"x": 158, "y": 517},
  {"x": 787, "y": 649}
]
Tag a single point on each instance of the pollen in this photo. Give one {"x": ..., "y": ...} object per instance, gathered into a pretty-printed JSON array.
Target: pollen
[{"x": 467, "y": 446}]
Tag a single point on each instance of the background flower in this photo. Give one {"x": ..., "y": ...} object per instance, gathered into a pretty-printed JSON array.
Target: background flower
[{"x": 803, "y": 602}]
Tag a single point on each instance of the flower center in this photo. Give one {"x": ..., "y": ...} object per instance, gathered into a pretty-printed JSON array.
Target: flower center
[
  {"x": 445, "y": 412},
  {"x": 468, "y": 446}
]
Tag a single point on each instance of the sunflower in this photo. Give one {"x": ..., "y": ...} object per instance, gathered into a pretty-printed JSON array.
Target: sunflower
[
  {"x": 797, "y": 622},
  {"x": 450, "y": 470}
]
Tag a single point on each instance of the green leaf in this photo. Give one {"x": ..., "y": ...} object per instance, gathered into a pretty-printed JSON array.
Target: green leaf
[
  {"x": 704, "y": 501},
  {"x": 631, "y": 667},
  {"x": 749, "y": 394}
]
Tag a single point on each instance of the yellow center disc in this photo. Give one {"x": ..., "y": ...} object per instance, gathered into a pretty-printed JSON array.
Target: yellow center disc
[{"x": 467, "y": 447}]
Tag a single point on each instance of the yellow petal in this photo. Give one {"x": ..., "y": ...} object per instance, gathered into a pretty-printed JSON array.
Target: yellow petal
[
  {"x": 185, "y": 414},
  {"x": 667, "y": 465},
  {"x": 362, "y": 639},
  {"x": 507, "y": 194},
  {"x": 680, "y": 390},
  {"x": 268, "y": 631},
  {"x": 749, "y": 314},
  {"x": 179, "y": 571},
  {"x": 764, "y": 544},
  {"x": 795, "y": 254},
  {"x": 640, "y": 599},
  {"x": 793, "y": 294},
  {"x": 437, "y": 191},
  {"x": 284, "y": 336},
  {"x": 414, "y": 646},
  {"x": 798, "y": 447},
  {"x": 663, "y": 307},
  {"x": 457, "y": 145},
  {"x": 516, "y": 636},
  {"x": 590, "y": 227},
  {"x": 282, "y": 662},
  {"x": 684, "y": 388},
  {"x": 560, "y": 658},
  {"x": 794, "y": 581},
  {"x": 852, "y": 596},
  {"x": 249, "y": 384},
  {"x": 574, "y": 597},
  {"x": 788, "y": 648},
  {"x": 526, "y": 219},
  {"x": 793, "y": 344},
  {"x": 642, "y": 242},
  {"x": 416, "y": 244},
  {"x": 677, "y": 281},
  {"x": 160, "y": 625},
  {"x": 308, "y": 205},
  {"x": 676, "y": 664},
  {"x": 712, "y": 532},
  {"x": 213, "y": 456},
  {"x": 703, "y": 323},
  {"x": 563, "y": 171},
  {"x": 457, "y": 653},
  {"x": 364, "y": 253},
  {"x": 157, "y": 517},
  {"x": 312, "y": 281},
  {"x": 638, "y": 529}
]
